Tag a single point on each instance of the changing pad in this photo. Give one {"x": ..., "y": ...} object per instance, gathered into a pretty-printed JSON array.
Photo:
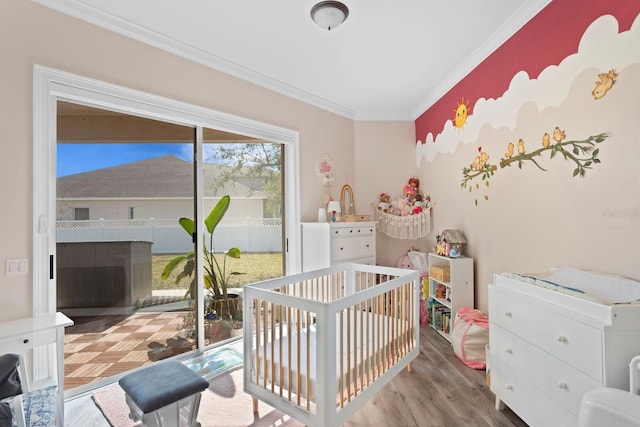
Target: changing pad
[{"x": 606, "y": 288}]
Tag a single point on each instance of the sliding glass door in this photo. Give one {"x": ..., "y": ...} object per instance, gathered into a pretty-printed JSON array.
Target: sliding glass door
[
  {"x": 125, "y": 266},
  {"x": 115, "y": 170},
  {"x": 122, "y": 183}
]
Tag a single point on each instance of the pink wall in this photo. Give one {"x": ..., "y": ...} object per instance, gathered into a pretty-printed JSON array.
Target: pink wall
[
  {"x": 546, "y": 40},
  {"x": 531, "y": 218}
]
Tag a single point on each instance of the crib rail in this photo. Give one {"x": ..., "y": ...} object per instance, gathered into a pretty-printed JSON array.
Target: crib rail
[{"x": 294, "y": 361}]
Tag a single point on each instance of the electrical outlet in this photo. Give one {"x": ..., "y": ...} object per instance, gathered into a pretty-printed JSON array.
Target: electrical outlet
[{"x": 16, "y": 267}]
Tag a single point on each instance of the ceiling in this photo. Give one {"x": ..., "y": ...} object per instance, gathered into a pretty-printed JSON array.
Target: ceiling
[{"x": 388, "y": 61}]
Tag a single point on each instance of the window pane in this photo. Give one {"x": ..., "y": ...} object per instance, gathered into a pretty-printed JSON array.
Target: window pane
[
  {"x": 81, "y": 214},
  {"x": 123, "y": 182}
]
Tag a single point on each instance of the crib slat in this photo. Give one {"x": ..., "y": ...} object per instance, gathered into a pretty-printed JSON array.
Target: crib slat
[
  {"x": 394, "y": 327},
  {"x": 280, "y": 310},
  {"x": 403, "y": 318},
  {"x": 273, "y": 347},
  {"x": 298, "y": 381},
  {"x": 256, "y": 310},
  {"x": 368, "y": 351},
  {"x": 341, "y": 353},
  {"x": 308, "y": 389},
  {"x": 349, "y": 374},
  {"x": 376, "y": 342},
  {"x": 289, "y": 334},
  {"x": 361, "y": 370},
  {"x": 265, "y": 331}
]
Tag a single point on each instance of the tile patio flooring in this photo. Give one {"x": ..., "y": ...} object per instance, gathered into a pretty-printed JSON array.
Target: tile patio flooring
[{"x": 100, "y": 347}]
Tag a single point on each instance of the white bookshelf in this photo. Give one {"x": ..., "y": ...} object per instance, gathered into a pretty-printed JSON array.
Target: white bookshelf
[{"x": 447, "y": 295}]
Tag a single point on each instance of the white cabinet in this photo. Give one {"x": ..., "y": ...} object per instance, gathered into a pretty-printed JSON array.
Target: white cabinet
[
  {"x": 324, "y": 244},
  {"x": 18, "y": 336},
  {"x": 548, "y": 348},
  {"x": 450, "y": 287}
]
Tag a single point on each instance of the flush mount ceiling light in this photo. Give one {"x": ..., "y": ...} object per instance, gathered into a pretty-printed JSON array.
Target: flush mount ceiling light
[{"x": 329, "y": 14}]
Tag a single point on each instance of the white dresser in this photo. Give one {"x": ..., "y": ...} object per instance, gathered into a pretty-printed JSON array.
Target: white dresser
[
  {"x": 548, "y": 348},
  {"x": 327, "y": 243}
]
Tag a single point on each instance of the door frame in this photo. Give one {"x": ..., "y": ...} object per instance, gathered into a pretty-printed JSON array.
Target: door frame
[{"x": 51, "y": 85}]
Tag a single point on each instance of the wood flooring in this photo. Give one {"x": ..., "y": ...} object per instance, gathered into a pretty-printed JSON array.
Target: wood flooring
[{"x": 440, "y": 392}]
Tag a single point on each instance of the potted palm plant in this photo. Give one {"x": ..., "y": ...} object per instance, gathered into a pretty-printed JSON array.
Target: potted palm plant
[{"x": 221, "y": 304}]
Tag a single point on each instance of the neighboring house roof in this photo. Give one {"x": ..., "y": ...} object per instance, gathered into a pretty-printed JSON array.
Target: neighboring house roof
[{"x": 160, "y": 177}]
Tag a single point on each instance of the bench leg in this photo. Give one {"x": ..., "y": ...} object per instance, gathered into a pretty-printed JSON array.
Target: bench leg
[
  {"x": 255, "y": 405},
  {"x": 183, "y": 412},
  {"x": 410, "y": 367}
]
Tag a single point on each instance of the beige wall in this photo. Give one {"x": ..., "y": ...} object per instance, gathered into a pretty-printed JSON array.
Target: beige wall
[
  {"x": 33, "y": 34},
  {"x": 385, "y": 160}
]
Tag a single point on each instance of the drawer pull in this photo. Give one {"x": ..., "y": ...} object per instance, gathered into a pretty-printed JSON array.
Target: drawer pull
[
  {"x": 341, "y": 248},
  {"x": 350, "y": 231},
  {"x": 562, "y": 338},
  {"x": 507, "y": 313},
  {"x": 509, "y": 350},
  {"x": 25, "y": 341},
  {"x": 563, "y": 386},
  {"x": 509, "y": 387},
  {"x": 367, "y": 245}
]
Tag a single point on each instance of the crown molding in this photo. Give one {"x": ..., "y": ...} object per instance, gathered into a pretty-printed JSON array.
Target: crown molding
[
  {"x": 95, "y": 16},
  {"x": 510, "y": 26}
]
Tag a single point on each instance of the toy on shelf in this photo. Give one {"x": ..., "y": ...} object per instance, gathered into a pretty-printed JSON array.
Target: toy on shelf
[
  {"x": 385, "y": 202},
  {"x": 412, "y": 202},
  {"x": 408, "y": 216},
  {"x": 449, "y": 243},
  {"x": 410, "y": 190}
]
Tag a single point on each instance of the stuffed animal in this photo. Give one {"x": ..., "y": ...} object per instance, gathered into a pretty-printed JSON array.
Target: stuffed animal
[
  {"x": 410, "y": 190},
  {"x": 405, "y": 262},
  {"x": 403, "y": 207},
  {"x": 385, "y": 202}
]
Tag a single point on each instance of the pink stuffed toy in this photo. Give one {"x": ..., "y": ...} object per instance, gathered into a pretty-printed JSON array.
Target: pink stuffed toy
[{"x": 410, "y": 190}]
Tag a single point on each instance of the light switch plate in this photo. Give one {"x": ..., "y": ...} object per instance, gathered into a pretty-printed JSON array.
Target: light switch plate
[{"x": 16, "y": 267}]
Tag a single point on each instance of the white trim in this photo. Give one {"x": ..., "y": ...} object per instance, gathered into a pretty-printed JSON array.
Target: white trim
[
  {"x": 51, "y": 85},
  {"x": 129, "y": 29},
  {"x": 199, "y": 220}
]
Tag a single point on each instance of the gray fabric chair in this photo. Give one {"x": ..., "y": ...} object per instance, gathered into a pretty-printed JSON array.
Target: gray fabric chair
[{"x": 21, "y": 407}]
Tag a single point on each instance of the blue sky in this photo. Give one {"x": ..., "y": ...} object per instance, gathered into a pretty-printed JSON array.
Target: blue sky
[{"x": 78, "y": 158}]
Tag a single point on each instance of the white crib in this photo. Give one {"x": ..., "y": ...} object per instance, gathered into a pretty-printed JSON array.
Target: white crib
[{"x": 359, "y": 322}]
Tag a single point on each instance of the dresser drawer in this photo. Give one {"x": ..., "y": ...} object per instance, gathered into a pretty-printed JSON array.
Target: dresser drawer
[
  {"x": 562, "y": 382},
  {"x": 365, "y": 261},
  {"x": 523, "y": 397},
  {"x": 27, "y": 340},
  {"x": 351, "y": 248},
  {"x": 351, "y": 231},
  {"x": 573, "y": 342}
]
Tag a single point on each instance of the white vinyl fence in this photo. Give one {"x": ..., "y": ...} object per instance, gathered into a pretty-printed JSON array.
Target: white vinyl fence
[{"x": 248, "y": 235}]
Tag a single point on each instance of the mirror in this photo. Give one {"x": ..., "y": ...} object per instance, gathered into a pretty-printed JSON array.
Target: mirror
[{"x": 347, "y": 203}]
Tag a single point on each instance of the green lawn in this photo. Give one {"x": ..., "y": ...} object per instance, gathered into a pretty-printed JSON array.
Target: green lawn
[{"x": 256, "y": 266}]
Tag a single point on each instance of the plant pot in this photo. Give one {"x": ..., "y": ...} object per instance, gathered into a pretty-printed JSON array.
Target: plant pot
[
  {"x": 216, "y": 330},
  {"x": 227, "y": 308}
]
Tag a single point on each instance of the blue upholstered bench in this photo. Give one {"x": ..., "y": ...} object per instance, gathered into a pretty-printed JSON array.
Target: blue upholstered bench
[{"x": 164, "y": 394}]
